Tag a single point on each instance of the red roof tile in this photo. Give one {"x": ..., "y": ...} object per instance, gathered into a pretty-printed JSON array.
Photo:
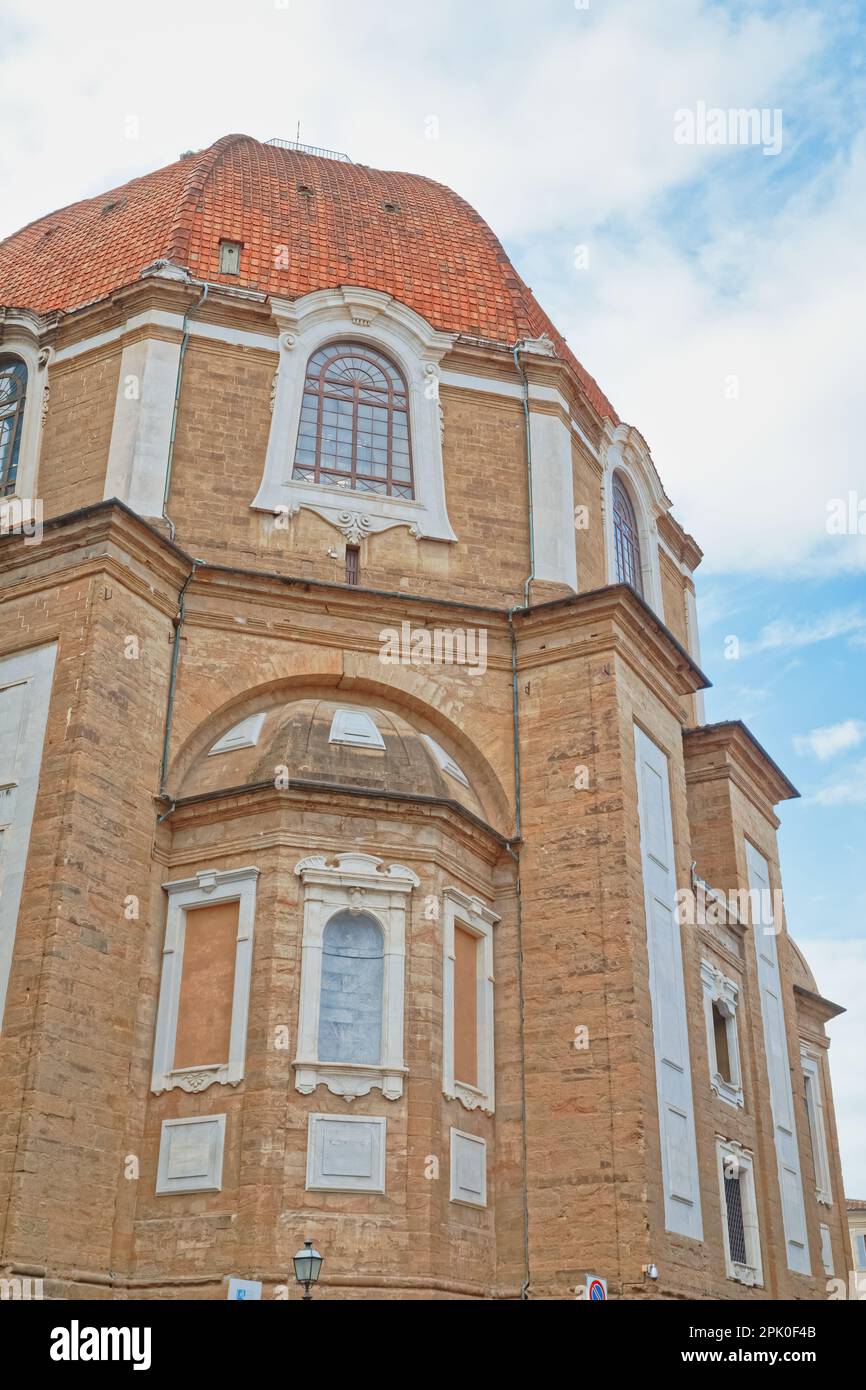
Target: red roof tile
[{"x": 429, "y": 248}]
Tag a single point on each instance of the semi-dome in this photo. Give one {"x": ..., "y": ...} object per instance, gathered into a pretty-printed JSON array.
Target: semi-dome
[
  {"x": 332, "y": 742},
  {"x": 304, "y": 223}
]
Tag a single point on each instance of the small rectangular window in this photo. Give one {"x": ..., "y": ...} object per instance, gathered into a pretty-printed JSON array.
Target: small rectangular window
[
  {"x": 736, "y": 1232},
  {"x": 739, "y": 1213},
  {"x": 817, "y": 1132},
  {"x": 230, "y": 257},
  {"x": 353, "y": 564},
  {"x": 720, "y": 1033},
  {"x": 721, "y": 998}
]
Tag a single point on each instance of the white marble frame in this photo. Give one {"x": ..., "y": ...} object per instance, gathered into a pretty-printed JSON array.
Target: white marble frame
[
  {"x": 811, "y": 1064},
  {"x": 204, "y": 890},
  {"x": 479, "y": 921},
  {"x": 460, "y": 1137},
  {"x": 367, "y": 317},
  {"x": 751, "y": 1273},
  {"x": 315, "y": 1181},
  {"x": 358, "y": 883},
  {"x": 212, "y": 1182},
  {"x": 624, "y": 452},
  {"x": 724, "y": 993},
  {"x": 20, "y": 338}
]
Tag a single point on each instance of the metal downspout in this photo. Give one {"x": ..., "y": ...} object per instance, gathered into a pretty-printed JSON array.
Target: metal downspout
[
  {"x": 518, "y": 809},
  {"x": 172, "y": 685},
  {"x": 184, "y": 343}
]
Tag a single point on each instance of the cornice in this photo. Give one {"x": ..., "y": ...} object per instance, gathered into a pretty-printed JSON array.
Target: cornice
[
  {"x": 105, "y": 535},
  {"x": 735, "y": 753},
  {"x": 632, "y": 629},
  {"x": 683, "y": 546},
  {"x": 816, "y": 1004},
  {"x": 254, "y": 798}
]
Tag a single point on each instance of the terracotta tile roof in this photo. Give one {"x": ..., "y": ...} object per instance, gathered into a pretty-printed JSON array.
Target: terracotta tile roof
[
  {"x": 855, "y": 1204},
  {"x": 406, "y": 235}
]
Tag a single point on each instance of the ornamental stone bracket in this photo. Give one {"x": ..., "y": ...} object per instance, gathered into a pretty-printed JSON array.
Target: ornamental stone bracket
[
  {"x": 348, "y": 1081},
  {"x": 469, "y": 1097},
  {"x": 195, "y": 1079}
]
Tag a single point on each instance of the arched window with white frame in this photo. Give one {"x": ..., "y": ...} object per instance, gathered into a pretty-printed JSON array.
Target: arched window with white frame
[
  {"x": 350, "y": 1009},
  {"x": 626, "y": 538},
  {"x": 354, "y": 426},
  {"x": 13, "y": 399}
]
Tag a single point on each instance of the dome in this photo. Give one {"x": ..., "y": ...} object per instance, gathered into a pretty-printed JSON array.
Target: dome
[
  {"x": 341, "y": 224},
  {"x": 800, "y": 969},
  {"x": 332, "y": 742}
]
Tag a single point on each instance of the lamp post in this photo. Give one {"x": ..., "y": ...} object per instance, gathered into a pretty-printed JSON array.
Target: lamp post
[{"x": 308, "y": 1263}]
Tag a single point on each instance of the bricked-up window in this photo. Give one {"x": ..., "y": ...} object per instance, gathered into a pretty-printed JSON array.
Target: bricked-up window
[
  {"x": 13, "y": 395},
  {"x": 465, "y": 1007},
  {"x": 204, "y": 1016},
  {"x": 626, "y": 541},
  {"x": 201, "y": 1020},
  {"x": 354, "y": 430},
  {"x": 467, "y": 1000},
  {"x": 350, "y": 1011}
]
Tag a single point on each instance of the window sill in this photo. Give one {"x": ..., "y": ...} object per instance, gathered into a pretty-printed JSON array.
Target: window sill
[
  {"x": 356, "y": 514},
  {"x": 349, "y": 1079},
  {"x": 195, "y": 1079},
  {"x": 745, "y": 1274},
  {"x": 727, "y": 1091},
  {"x": 469, "y": 1097}
]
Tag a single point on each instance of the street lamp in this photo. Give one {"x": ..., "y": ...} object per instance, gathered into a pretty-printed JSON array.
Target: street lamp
[{"x": 307, "y": 1264}]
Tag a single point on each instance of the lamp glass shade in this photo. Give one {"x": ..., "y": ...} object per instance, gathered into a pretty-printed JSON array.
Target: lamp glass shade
[{"x": 307, "y": 1264}]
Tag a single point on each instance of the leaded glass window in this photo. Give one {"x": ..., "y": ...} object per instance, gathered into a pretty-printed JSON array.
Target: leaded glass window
[
  {"x": 626, "y": 542},
  {"x": 13, "y": 393},
  {"x": 354, "y": 428}
]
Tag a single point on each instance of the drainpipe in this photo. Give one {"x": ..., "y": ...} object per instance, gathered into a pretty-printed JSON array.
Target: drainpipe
[
  {"x": 172, "y": 685},
  {"x": 515, "y": 352},
  {"x": 184, "y": 343},
  {"x": 518, "y": 810}
]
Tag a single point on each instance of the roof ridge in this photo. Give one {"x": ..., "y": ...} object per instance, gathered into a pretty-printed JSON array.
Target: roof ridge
[{"x": 204, "y": 162}]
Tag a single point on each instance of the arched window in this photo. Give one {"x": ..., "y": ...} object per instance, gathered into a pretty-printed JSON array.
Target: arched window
[
  {"x": 626, "y": 541},
  {"x": 350, "y": 1007},
  {"x": 354, "y": 429},
  {"x": 13, "y": 392}
]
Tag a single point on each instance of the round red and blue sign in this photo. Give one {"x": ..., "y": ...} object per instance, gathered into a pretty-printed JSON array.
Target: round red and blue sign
[{"x": 596, "y": 1289}]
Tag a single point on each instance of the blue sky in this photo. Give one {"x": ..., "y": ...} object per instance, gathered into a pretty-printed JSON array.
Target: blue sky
[{"x": 720, "y": 301}]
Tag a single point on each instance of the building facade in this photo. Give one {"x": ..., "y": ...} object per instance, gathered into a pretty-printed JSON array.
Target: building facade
[{"x": 369, "y": 871}]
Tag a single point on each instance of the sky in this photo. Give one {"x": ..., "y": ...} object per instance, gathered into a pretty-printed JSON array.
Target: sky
[{"x": 716, "y": 290}]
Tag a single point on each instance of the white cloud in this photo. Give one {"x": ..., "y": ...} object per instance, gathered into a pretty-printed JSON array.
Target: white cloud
[
  {"x": 839, "y": 967},
  {"x": 773, "y": 312},
  {"x": 847, "y": 790},
  {"x": 557, "y": 124},
  {"x": 783, "y": 634},
  {"x": 826, "y": 742}
]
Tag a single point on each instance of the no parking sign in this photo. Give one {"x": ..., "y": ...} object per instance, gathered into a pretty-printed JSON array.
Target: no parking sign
[{"x": 595, "y": 1289}]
